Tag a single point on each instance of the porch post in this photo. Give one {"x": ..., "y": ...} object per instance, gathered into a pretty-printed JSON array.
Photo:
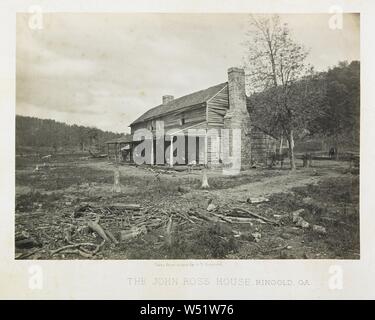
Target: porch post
[
  {"x": 152, "y": 151},
  {"x": 171, "y": 153},
  {"x": 205, "y": 149}
]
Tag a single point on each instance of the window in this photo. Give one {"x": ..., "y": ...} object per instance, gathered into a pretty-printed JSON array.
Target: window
[{"x": 182, "y": 120}]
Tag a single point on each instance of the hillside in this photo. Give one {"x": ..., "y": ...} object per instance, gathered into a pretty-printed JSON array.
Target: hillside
[{"x": 41, "y": 134}]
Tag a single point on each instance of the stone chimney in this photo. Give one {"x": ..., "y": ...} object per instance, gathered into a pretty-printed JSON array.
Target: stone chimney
[
  {"x": 236, "y": 88},
  {"x": 167, "y": 98},
  {"x": 237, "y": 117}
]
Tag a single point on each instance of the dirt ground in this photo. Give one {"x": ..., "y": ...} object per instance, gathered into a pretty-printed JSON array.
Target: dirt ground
[{"x": 173, "y": 211}]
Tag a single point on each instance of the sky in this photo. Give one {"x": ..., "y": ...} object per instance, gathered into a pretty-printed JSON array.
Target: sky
[{"x": 106, "y": 69}]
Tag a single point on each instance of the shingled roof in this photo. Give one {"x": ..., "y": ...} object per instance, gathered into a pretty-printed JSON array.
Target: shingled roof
[{"x": 191, "y": 99}]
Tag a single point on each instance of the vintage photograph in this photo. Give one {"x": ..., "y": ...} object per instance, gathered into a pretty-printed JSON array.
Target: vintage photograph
[{"x": 187, "y": 136}]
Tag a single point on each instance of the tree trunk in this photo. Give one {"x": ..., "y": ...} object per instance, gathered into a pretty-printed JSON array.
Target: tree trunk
[
  {"x": 291, "y": 151},
  {"x": 336, "y": 148},
  {"x": 335, "y": 145},
  {"x": 281, "y": 145}
]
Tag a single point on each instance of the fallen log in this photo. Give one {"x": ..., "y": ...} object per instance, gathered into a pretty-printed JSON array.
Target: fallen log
[
  {"x": 155, "y": 225},
  {"x": 184, "y": 216},
  {"x": 80, "y": 252},
  {"x": 257, "y": 200},
  {"x": 196, "y": 218},
  {"x": 168, "y": 231},
  {"x": 204, "y": 216},
  {"x": 257, "y": 216},
  {"x": 94, "y": 226},
  {"x": 85, "y": 250},
  {"x": 241, "y": 220},
  {"x": 221, "y": 217},
  {"x": 132, "y": 233},
  {"x": 72, "y": 246},
  {"x": 111, "y": 236}
]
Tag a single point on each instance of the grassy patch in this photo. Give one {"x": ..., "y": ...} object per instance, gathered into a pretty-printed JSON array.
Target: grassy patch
[
  {"x": 334, "y": 204},
  {"x": 57, "y": 178},
  {"x": 36, "y": 200}
]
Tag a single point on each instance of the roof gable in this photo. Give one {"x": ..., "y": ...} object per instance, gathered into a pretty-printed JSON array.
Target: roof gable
[{"x": 191, "y": 99}]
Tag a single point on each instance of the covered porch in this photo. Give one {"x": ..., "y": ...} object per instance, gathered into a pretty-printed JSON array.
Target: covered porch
[{"x": 121, "y": 149}]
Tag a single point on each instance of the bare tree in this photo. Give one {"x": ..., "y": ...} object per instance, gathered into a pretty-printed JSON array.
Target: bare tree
[{"x": 275, "y": 61}]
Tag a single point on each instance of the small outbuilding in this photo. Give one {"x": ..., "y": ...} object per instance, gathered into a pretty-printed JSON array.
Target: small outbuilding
[{"x": 120, "y": 149}]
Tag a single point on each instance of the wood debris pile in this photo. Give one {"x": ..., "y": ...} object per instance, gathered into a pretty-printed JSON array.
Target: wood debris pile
[
  {"x": 89, "y": 230},
  {"x": 85, "y": 232}
]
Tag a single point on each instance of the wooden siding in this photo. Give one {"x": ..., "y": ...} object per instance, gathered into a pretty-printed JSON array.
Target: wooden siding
[
  {"x": 176, "y": 120},
  {"x": 184, "y": 102},
  {"x": 190, "y": 117},
  {"x": 262, "y": 145},
  {"x": 217, "y": 107}
]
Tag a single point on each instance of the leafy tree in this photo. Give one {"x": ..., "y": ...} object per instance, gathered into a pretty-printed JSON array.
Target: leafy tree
[{"x": 275, "y": 63}]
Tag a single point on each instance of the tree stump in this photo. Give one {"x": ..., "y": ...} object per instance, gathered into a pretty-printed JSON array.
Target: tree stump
[
  {"x": 205, "y": 184},
  {"x": 168, "y": 232},
  {"x": 116, "y": 183}
]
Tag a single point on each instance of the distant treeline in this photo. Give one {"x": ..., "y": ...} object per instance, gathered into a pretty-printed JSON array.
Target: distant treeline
[{"x": 35, "y": 133}]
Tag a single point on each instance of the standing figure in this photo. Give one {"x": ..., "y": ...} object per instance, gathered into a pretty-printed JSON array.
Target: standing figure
[{"x": 332, "y": 152}]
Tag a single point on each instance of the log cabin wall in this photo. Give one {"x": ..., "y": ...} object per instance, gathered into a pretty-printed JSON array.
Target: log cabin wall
[
  {"x": 179, "y": 119},
  {"x": 262, "y": 145},
  {"x": 193, "y": 116},
  {"x": 217, "y": 107},
  {"x": 185, "y": 118}
]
